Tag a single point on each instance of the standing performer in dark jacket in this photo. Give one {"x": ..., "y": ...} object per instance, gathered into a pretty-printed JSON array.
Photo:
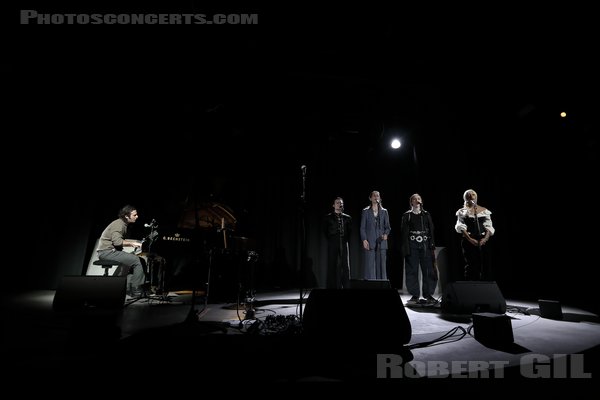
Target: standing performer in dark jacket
[
  {"x": 418, "y": 245},
  {"x": 338, "y": 227}
]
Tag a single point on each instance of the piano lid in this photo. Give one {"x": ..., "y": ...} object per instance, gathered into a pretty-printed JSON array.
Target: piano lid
[{"x": 210, "y": 216}]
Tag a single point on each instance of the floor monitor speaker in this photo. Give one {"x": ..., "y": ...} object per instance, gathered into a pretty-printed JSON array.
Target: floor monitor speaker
[
  {"x": 367, "y": 316},
  {"x": 492, "y": 328},
  {"x": 467, "y": 297},
  {"x": 79, "y": 293},
  {"x": 550, "y": 309}
]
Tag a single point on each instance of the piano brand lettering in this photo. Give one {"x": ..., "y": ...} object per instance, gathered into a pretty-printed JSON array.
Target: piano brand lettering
[{"x": 176, "y": 238}]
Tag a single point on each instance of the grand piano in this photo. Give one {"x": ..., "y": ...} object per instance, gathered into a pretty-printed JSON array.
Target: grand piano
[{"x": 202, "y": 253}]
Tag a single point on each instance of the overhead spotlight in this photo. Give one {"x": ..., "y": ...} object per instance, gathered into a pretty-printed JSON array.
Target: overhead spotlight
[{"x": 396, "y": 144}]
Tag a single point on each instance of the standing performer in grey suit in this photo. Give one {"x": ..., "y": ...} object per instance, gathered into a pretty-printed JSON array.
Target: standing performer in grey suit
[{"x": 374, "y": 231}]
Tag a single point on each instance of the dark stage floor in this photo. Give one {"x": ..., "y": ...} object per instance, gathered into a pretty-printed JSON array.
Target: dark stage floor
[{"x": 167, "y": 338}]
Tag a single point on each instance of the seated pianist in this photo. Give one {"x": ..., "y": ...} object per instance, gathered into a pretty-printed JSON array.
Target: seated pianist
[{"x": 110, "y": 248}]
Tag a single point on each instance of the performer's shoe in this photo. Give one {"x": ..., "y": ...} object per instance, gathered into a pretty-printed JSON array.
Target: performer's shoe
[
  {"x": 431, "y": 301},
  {"x": 413, "y": 301},
  {"x": 136, "y": 292}
]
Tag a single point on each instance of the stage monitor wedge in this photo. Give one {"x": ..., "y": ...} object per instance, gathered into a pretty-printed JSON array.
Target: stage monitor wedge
[
  {"x": 362, "y": 316},
  {"x": 467, "y": 297},
  {"x": 550, "y": 309},
  {"x": 85, "y": 293},
  {"x": 492, "y": 328}
]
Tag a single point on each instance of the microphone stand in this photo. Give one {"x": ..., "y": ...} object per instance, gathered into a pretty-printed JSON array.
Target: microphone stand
[
  {"x": 341, "y": 258},
  {"x": 151, "y": 236},
  {"x": 434, "y": 271},
  {"x": 302, "y": 238},
  {"x": 478, "y": 241},
  {"x": 379, "y": 239},
  {"x": 341, "y": 265},
  {"x": 192, "y": 315}
]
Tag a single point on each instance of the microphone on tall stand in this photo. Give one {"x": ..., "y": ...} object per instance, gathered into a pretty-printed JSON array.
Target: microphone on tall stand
[
  {"x": 474, "y": 205},
  {"x": 303, "y": 168}
]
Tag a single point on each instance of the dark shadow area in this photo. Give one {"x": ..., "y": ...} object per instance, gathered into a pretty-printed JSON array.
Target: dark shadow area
[
  {"x": 423, "y": 308},
  {"x": 512, "y": 348},
  {"x": 458, "y": 318},
  {"x": 568, "y": 317},
  {"x": 348, "y": 338}
]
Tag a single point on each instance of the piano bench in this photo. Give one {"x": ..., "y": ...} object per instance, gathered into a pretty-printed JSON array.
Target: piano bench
[{"x": 106, "y": 264}]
